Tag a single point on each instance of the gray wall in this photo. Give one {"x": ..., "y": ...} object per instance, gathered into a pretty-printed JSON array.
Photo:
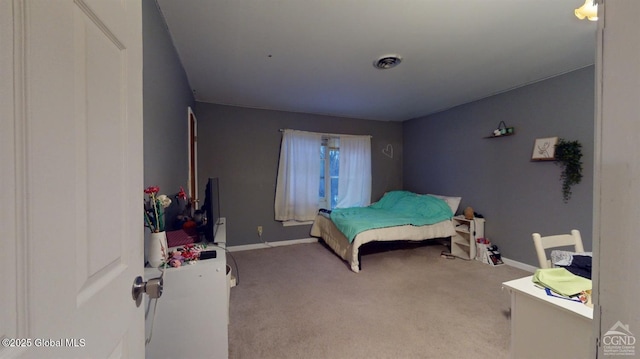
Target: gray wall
[
  {"x": 446, "y": 153},
  {"x": 167, "y": 95},
  {"x": 241, "y": 147}
]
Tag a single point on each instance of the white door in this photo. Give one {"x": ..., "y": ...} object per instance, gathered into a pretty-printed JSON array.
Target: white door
[
  {"x": 72, "y": 145},
  {"x": 617, "y": 181}
]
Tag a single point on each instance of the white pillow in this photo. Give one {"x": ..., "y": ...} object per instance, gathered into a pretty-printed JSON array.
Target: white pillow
[{"x": 453, "y": 202}]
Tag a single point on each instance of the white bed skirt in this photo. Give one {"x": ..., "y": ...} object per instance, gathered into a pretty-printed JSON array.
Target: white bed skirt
[{"x": 324, "y": 228}]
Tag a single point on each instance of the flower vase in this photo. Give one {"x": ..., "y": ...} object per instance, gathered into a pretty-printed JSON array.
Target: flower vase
[{"x": 157, "y": 249}]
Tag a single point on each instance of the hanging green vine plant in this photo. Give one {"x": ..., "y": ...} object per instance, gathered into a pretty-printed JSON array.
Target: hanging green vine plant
[{"x": 569, "y": 157}]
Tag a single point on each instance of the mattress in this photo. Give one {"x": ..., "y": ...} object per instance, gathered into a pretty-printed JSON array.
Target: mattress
[{"x": 324, "y": 228}]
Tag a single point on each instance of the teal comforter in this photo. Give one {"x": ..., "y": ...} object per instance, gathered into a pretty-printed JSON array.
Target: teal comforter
[{"x": 395, "y": 208}]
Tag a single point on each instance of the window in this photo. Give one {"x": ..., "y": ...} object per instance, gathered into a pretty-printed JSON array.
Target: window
[
  {"x": 342, "y": 177},
  {"x": 329, "y": 164}
]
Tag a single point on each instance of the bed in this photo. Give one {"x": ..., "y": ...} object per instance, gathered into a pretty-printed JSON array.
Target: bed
[{"x": 395, "y": 205}]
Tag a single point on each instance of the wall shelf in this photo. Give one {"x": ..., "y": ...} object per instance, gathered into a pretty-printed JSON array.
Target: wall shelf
[
  {"x": 505, "y": 135},
  {"x": 502, "y": 131}
]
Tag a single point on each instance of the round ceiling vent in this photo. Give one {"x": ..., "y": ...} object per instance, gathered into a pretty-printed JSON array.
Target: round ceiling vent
[{"x": 387, "y": 62}]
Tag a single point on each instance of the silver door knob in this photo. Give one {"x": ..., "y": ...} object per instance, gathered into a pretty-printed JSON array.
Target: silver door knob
[{"x": 153, "y": 288}]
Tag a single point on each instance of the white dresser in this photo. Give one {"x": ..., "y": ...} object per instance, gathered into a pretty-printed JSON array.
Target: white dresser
[
  {"x": 192, "y": 316},
  {"x": 548, "y": 327}
]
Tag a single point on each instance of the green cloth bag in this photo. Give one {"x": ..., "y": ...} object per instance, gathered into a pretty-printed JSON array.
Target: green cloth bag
[{"x": 561, "y": 281}]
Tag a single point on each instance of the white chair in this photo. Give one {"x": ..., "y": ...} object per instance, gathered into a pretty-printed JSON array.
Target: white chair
[{"x": 560, "y": 240}]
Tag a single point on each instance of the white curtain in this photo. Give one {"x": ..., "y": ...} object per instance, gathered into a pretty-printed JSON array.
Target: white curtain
[
  {"x": 298, "y": 176},
  {"x": 354, "y": 179}
]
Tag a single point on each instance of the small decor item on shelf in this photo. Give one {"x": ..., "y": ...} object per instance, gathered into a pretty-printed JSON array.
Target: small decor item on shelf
[
  {"x": 184, "y": 208},
  {"x": 468, "y": 213},
  {"x": 156, "y": 247},
  {"x": 187, "y": 254},
  {"x": 502, "y": 130},
  {"x": 154, "y": 209}
]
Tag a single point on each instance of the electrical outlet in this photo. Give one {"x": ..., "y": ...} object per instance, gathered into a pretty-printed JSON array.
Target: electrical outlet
[{"x": 260, "y": 231}]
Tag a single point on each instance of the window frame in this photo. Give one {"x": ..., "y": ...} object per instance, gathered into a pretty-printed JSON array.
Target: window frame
[{"x": 329, "y": 143}]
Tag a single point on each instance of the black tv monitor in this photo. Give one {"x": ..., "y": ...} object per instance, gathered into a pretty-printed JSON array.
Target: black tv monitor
[{"x": 211, "y": 208}]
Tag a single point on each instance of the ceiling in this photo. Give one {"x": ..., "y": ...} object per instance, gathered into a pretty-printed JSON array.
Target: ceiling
[{"x": 316, "y": 56}]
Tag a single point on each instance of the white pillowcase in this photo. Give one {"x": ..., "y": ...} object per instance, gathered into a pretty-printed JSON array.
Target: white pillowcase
[{"x": 453, "y": 202}]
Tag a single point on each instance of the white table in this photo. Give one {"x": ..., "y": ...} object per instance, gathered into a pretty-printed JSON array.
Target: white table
[{"x": 543, "y": 326}]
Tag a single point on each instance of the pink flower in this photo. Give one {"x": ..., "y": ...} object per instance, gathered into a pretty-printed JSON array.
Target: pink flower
[
  {"x": 181, "y": 193},
  {"x": 152, "y": 189}
]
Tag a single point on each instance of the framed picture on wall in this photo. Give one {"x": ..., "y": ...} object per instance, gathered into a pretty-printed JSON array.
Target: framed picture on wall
[{"x": 544, "y": 149}]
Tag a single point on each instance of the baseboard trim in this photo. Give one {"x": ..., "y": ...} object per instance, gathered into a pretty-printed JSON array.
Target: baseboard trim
[
  {"x": 264, "y": 245},
  {"x": 520, "y": 265}
]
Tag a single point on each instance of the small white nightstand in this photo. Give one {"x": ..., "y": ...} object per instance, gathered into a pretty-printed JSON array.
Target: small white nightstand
[{"x": 463, "y": 243}]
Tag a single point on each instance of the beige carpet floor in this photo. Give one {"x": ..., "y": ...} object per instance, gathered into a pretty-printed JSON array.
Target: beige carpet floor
[{"x": 302, "y": 301}]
